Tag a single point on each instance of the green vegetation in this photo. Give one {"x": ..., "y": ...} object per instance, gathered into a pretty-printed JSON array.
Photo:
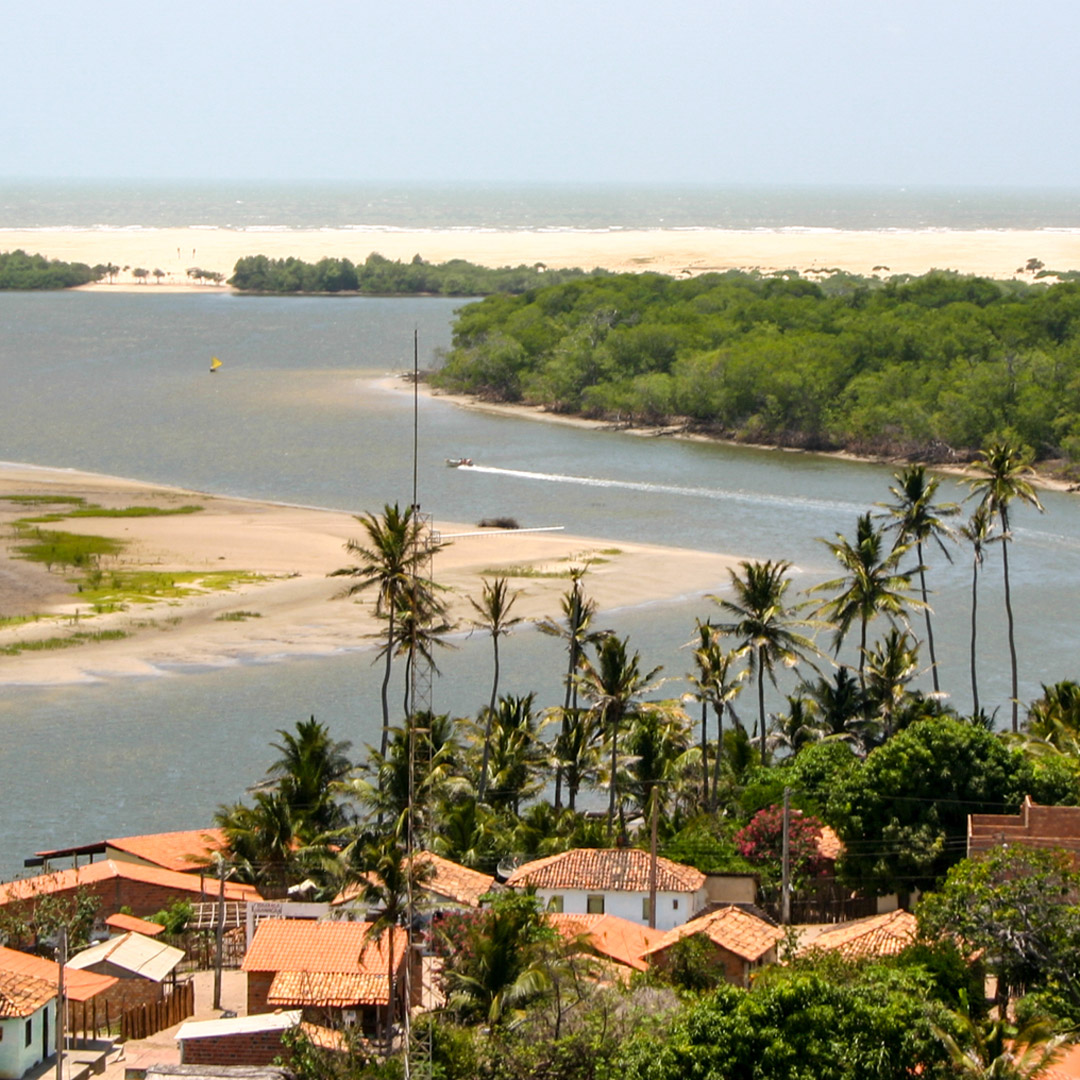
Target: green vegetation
[
  {"x": 80, "y": 637},
  {"x": 237, "y": 616},
  {"x": 146, "y": 586},
  {"x": 44, "y": 500},
  {"x": 524, "y": 572},
  {"x": 57, "y": 548},
  {"x": 21, "y": 271},
  {"x": 114, "y": 512},
  {"x": 379, "y": 276},
  {"x": 932, "y": 367}
]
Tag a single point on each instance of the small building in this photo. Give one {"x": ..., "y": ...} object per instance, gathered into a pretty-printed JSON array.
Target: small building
[
  {"x": 741, "y": 942},
  {"x": 336, "y": 972},
  {"x": 27, "y": 1023},
  {"x": 237, "y": 1040},
  {"x": 614, "y": 881},
  {"x": 617, "y": 942},
  {"x": 878, "y": 935},
  {"x": 140, "y": 965},
  {"x": 1035, "y": 826}
]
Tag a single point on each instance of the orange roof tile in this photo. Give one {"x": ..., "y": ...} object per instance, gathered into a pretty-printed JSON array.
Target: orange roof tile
[
  {"x": 829, "y": 844},
  {"x": 109, "y": 870},
  {"x": 1066, "y": 1067},
  {"x": 180, "y": 851},
  {"x": 604, "y": 870},
  {"x": 447, "y": 879},
  {"x": 617, "y": 939},
  {"x": 879, "y": 935},
  {"x": 339, "y": 948},
  {"x": 730, "y": 928},
  {"x": 328, "y": 989},
  {"x": 325, "y": 1038},
  {"x": 139, "y": 926},
  {"x": 78, "y": 985},
  {"x": 23, "y": 995}
]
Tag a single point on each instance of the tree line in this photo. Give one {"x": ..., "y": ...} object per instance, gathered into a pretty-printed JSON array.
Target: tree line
[
  {"x": 18, "y": 270},
  {"x": 379, "y": 276},
  {"x": 932, "y": 367}
]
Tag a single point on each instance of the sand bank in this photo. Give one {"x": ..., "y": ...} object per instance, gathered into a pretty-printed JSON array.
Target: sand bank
[
  {"x": 996, "y": 253},
  {"x": 295, "y": 609}
]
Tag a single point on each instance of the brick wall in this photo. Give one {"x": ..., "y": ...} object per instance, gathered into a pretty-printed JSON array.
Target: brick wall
[
  {"x": 128, "y": 993},
  {"x": 258, "y": 990},
  {"x": 250, "y": 1048}
]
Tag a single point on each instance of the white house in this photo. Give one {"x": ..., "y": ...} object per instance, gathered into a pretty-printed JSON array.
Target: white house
[
  {"x": 27, "y": 1023},
  {"x": 614, "y": 881}
]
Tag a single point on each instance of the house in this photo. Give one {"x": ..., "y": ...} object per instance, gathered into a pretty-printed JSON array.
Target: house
[
  {"x": 335, "y": 972},
  {"x": 741, "y": 942},
  {"x": 614, "y": 881},
  {"x": 188, "y": 851},
  {"x": 237, "y": 1040},
  {"x": 27, "y": 1023},
  {"x": 616, "y": 941},
  {"x": 141, "y": 889},
  {"x": 444, "y": 886},
  {"x": 1034, "y": 826},
  {"x": 878, "y": 935},
  {"x": 140, "y": 965}
]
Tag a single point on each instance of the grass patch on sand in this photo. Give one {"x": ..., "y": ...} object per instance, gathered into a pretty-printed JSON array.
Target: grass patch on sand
[
  {"x": 16, "y": 620},
  {"x": 238, "y": 616},
  {"x": 118, "y": 587},
  {"x": 523, "y": 572},
  {"x": 114, "y": 512},
  {"x": 54, "y": 547},
  {"x": 80, "y": 637},
  {"x": 44, "y": 500}
]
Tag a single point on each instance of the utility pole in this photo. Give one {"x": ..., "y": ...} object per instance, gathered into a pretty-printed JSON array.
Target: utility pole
[
  {"x": 652, "y": 858},
  {"x": 785, "y": 877},
  {"x": 61, "y": 1006},
  {"x": 219, "y": 931}
]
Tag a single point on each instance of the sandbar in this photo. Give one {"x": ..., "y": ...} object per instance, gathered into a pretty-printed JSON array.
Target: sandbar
[
  {"x": 294, "y": 609},
  {"x": 679, "y": 252}
]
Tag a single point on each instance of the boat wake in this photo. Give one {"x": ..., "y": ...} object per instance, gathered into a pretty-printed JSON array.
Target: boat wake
[{"x": 754, "y": 498}]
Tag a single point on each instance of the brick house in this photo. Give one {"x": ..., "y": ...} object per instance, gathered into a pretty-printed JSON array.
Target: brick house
[
  {"x": 141, "y": 966},
  {"x": 188, "y": 851},
  {"x": 336, "y": 972},
  {"x": 741, "y": 942},
  {"x": 614, "y": 881},
  {"x": 879, "y": 935},
  {"x": 1034, "y": 827},
  {"x": 238, "y": 1040}
]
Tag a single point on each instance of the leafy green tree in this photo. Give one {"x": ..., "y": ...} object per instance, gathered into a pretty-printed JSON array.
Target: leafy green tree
[
  {"x": 493, "y": 611},
  {"x": 391, "y": 558},
  {"x": 1001, "y": 478},
  {"x": 765, "y": 625},
  {"x": 918, "y": 520}
]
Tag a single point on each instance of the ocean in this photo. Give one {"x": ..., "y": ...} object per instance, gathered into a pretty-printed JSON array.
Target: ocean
[{"x": 116, "y": 383}]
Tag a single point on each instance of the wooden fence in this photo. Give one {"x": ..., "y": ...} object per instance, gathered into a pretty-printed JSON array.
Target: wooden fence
[{"x": 146, "y": 1020}]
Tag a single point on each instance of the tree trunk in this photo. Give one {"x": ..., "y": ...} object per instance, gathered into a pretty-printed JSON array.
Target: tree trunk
[
  {"x": 862, "y": 656},
  {"x": 614, "y": 772},
  {"x": 761, "y": 698},
  {"x": 487, "y": 727},
  {"x": 974, "y": 625},
  {"x": 390, "y": 1000},
  {"x": 704, "y": 755},
  {"x": 719, "y": 755},
  {"x": 929, "y": 625},
  {"x": 386, "y": 683},
  {"x": 1009, "y": 614}
]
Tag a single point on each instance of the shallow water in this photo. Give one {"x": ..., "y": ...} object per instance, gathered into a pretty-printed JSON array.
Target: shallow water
[{"x": 301, "y": 412}]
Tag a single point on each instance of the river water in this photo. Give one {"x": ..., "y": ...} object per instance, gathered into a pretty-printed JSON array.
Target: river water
[{"x": 301, "y": 412}]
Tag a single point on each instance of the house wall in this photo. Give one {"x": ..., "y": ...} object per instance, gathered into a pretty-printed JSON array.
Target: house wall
[
  {"x": 737, "y": 971},
  {"x": 258, "y": 990},
  {"x": 249, "y": 1048},
  {"x": 672, "y": 909},
  {"x": 731, "y": 888},
  {"x": 16, "y": 1058}
]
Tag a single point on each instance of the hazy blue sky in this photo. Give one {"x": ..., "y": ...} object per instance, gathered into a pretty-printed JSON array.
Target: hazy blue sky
[{"x": 816, "y": 91}]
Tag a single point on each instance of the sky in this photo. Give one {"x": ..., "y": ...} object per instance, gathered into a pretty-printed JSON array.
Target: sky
[{"x": 949, "y": 92}]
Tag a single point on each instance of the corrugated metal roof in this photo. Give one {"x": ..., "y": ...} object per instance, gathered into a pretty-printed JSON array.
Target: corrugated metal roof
[
  {"x": 142, "y": 956},
  {"x": 281, "y": 1020}
]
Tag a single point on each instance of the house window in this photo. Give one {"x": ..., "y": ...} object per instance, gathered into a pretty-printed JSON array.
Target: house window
[
  {"x": 675, "y": 905},
  {"x": 594, "y": 905},
  {"x": 555, "y": 904},
  {"x": 29, "y": 1032},
  {"x": 645, "y": 909}
]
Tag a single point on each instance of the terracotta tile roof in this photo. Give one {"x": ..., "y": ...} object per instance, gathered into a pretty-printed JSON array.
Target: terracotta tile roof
[
  {"x": 23, "y": 995},
  {"x": 829, "y": 845},
  {"x": 1067, "y": 1066},
  {"x": 730, "y": 928},
  {"x": 109, "y": 870},
  {"x": 183, "y": 851},
  {"x": 333, "y": 948},
  {"x": 879, "y": 935},
  {"x": 325, "y": 1038},
  {"x": 78, "y": 985},
  {"x": 606, "y": 870},
  {"x": 448, "y": 880},
  {"x": 129, "y": 922},
  {"x": 617, "y": 939},
  {"x": 327, "y": 989}
]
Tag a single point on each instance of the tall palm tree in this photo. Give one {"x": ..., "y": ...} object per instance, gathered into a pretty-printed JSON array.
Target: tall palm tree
[
  {"x": 390, "y": 556},
  {"x": 308, "y": 771},
  {"x": 796, "y": 728},
  {"x": 615, "y": 685},
  {"x": 576, "y": 630},
  {"x": 493, "y": 610},
  {"x": 264, "y": 840},
  {"x": 659, "y": 752},
  {"x": 891, "y": 666},
  {"x": 512, "y": 733},
  {"x": 715, "y": 684},
  {"x": 917, "y": 519},
  {"x": 977, "y": 532},
  {"x": 1001, "y": 477},
  {"x": 576, "y": 752},
  {"x": 872, "y": 585},
  {"x": 765, "y": 625}
]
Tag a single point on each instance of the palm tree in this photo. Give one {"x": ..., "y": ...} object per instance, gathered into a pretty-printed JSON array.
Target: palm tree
[
  {"x": 308, "y": 771},
  {"x": 1001, "y": 477},
  {"x": 575, "y": 630},
  {"x": 996, "y": 1050},
  {"x": 493, "y": 610},
  {"x": 764, "y": 624},
  {"x": 390, "y": 558},
  {"x": 264, "y": 840},
  {"x": 576, "y": 752},
  {"x": 872, "y": 585},
  {"x": 513, "y": 736},
  {"x": 796, "y": 728},
  {"x": 977, "y": 532},
  {"x": 614, "y": 684},
  {"x": 840, "y": 708},
  {"x": 891, "y": 665},
  {"x": 917, "y": 519},
  {"x": 714, "y": 685},
  {"x": 657, "y": 743}
]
